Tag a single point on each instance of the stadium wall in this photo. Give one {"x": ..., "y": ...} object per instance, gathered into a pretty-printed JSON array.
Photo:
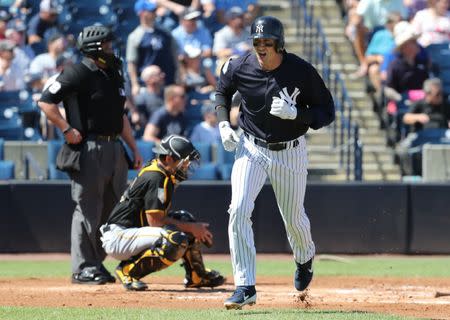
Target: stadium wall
[{"x": 350, "y": 218}]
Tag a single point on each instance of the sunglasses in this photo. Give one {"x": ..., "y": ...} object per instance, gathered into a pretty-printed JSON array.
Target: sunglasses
[{"x": 257, "y": 43}]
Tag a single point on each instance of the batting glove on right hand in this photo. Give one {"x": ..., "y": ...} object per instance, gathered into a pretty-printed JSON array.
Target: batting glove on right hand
[{"x": 228, "y": 136}]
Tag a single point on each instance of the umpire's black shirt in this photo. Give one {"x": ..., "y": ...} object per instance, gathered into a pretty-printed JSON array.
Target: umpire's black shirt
[
  {"x": 93, "y": 98},
  {"x": 258, "y": 87}
]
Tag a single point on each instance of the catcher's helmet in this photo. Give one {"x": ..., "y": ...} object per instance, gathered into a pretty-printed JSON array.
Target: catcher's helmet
[
  {"x": 182, "y": 149},
  {"x": 91, "y": 38},
  {"x": 268, "y": 27}
]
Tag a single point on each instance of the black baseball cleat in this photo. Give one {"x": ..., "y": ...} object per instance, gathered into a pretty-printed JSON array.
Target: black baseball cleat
[
  {"x": 127, "y": 281},
  {"x": 243, "y": 295},
  {"x": 89, "y": 275},
  {"x": 109, "y": 277},
  {"x": 303, "y": 275}
]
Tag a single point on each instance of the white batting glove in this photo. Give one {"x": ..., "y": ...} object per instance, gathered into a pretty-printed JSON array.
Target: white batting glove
[
  {"x": 282, "y": 109},
  {"x": 229, "y": 137}
]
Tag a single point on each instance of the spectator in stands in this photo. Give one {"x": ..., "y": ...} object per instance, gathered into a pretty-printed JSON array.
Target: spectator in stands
[
  {"x": 409, "y": 69},
  {"x": 190, "y": 33},
  {"x": 44, "y": 23},
  {"x": 433, "y": 23},
  {"x": 45, "y": 63},
  {"x": 233, "y": 39},
  {"x": 149, "y": 98},
  {"x": 4, "y": 18},
  {"x": 168, "y": 12},
  {"x": 209, "y": 16},
  {"x": 22, "y": 52},
  {"x": 369, "y": 16},
  {"x": 150, "y": 45},
  {"x": 194, "y": 74},
  {"x": 207, "y": 131},
  {"x": 11, "y": 74},
  {"x": 432, "y": 112},
  {"x": 168, "y": 119},
  {"x": 381, "y": 44},
  {"x": 250, "y": 8}
]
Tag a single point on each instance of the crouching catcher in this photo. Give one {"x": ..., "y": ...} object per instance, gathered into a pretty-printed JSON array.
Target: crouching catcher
[{"x": 145, "y": 237}]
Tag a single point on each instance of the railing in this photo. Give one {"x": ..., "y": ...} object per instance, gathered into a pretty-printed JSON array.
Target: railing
[{"x": 344, "y": 131}]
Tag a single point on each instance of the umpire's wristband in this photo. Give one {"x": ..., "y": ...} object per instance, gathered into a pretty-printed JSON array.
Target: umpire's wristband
[{"x": 67, "y": 130}]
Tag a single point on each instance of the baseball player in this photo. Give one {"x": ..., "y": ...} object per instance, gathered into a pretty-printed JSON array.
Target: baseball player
[
  {"x": 282, "y": 97},
  {"x": 145, "y": 236}
]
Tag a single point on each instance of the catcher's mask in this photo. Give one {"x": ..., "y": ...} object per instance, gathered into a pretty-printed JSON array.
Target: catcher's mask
[
  {"x": 268, "y": 27},
  {"x": 179, "y": 148},
  {"x": 90, "y": 42}
]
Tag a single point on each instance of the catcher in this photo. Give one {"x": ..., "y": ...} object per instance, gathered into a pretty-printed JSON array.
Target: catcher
[{"x": 145, "y": 236}]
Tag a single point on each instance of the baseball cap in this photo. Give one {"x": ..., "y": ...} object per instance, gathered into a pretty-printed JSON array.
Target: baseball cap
[
  {"x": 48, "y": 6},
  {"x": 144, "y": 5},
  {"x": 234, "y": 12},
  {"x": 191, "y": 14}
]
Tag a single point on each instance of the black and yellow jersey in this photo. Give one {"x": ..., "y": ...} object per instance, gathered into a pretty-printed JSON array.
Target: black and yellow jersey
[{"x": 151, "y": 191}]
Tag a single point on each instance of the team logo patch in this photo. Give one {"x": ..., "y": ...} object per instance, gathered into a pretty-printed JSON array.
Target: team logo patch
[
  {"x": 55, "y": 86},
  {"x": 259, "y": 28},
  {"x": 161, "y": 195}
]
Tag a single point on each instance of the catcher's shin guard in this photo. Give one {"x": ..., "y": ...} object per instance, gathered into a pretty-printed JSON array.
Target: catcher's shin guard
[
  {"x": 197, "y": 275},
  {"x": 169, "y": 249}
]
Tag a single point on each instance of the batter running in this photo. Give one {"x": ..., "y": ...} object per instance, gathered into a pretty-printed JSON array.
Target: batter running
[{"x": 282, "y": 97}]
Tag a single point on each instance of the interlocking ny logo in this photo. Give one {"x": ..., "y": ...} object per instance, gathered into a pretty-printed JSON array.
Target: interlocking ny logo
[
  {"x": 289, "y": 98},
  {"x": 259, "y": 28}
]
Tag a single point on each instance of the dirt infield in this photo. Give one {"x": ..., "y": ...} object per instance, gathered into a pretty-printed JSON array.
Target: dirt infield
[{"x": 411, "y": 297}]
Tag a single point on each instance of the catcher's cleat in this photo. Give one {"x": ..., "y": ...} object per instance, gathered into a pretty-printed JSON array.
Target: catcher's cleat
[
  {"x": 127, "y": 281},
  {"x": 211, "y": 279},
  {"x": 303, "y": 275},
  {"x": 243, "y": 295}
]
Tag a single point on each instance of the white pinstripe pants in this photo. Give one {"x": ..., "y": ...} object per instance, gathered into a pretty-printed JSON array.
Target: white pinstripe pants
[{"x": 287, "y": 172}]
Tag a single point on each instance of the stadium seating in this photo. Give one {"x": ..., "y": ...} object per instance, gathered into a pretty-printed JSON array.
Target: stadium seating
[
  {"x": 6, "y": 170},
  {"x": 205, "y": 151},
  {"x": 225, "y": 162},
  {"x": 207, "y": 171},
  {"x": 440, "y": 57},
  {"x": 2, "y": 145},
  {"x": 53, "y": 147}
]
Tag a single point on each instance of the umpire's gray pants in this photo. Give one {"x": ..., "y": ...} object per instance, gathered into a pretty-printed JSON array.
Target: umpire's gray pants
[{"x": 95, "y": 189}]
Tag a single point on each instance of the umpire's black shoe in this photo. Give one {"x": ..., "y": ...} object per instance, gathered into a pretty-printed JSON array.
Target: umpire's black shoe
[
  {"x": 109, "y": 277},
  {"x": 303, "y": 275},
  {"x": 127, "y": 281},
  {"x": 89, "y": 276},
  {"x": 243, "y": 295}
]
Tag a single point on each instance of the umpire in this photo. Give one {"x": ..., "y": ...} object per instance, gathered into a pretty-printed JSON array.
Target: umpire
[
  {"x": 282, "y": 97},
  {"x": 93, "y": 95}
]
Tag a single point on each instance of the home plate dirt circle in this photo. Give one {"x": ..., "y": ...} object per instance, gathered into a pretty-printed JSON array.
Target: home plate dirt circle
[{"x": 428, "y": 298}]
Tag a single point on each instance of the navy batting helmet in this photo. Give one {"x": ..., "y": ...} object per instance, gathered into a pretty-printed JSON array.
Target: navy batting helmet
[{"x": 268, "y": 27}]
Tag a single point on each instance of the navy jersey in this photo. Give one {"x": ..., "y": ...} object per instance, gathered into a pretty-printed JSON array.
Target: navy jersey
[
  {"x": 150, "y": 192},
  {"x": 258, "y": 88}
]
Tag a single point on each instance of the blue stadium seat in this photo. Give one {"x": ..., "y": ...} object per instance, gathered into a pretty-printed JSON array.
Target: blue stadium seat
[
  {"x": 432, "y": 136},
  {"x": 145, "y": 148},
  {"x": 2, "y": 145},
  {"x": 205, "y": 151},
  {"x": 225, "y": 162},
  {"x": 11, "y": 132},
  {"x": 53, "y": 147},
  {"x": 132, "y": 174},
  {"x": 6, "y": 170},
  {"x": 207, "y": 171},
  {"x": 225, "y": 171}
]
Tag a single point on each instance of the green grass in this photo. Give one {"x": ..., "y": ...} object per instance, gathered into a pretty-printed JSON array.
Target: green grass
[
  {"x": 354, "y": 266},
  {"x": 21, "y": 313}
]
